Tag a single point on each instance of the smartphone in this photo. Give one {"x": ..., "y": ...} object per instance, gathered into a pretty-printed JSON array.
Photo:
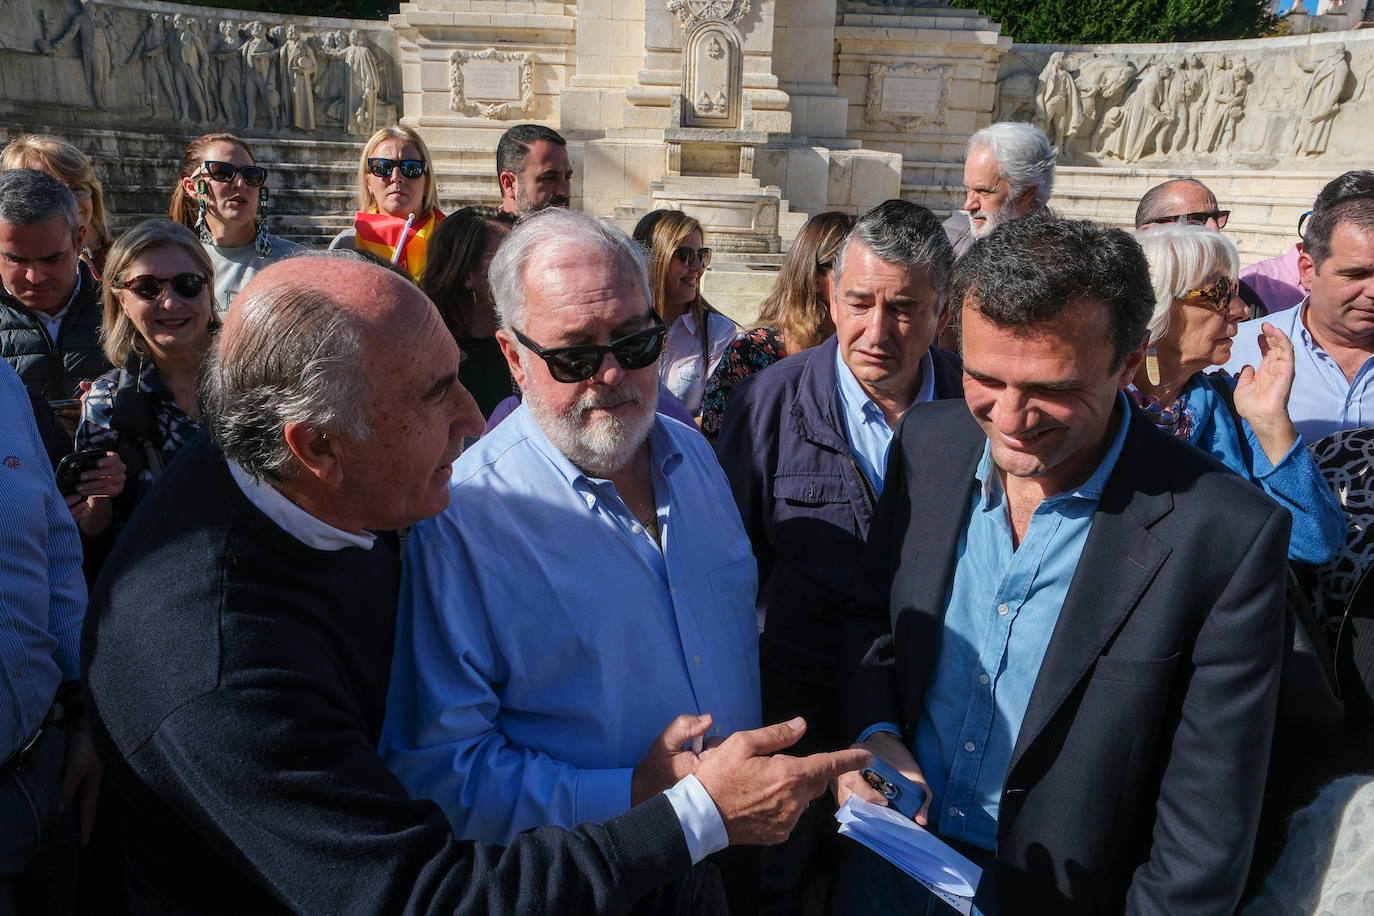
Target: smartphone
[
  {"x": 70, "y": 468},
  {"x": 64, "y": 404},
  {"x": 900, "y": 792}
]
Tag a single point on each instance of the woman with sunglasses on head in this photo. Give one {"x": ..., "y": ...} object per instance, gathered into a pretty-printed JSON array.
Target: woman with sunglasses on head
[
  {"x": 158, "y": 318},
  {"x": 1243, "y": 421},
  {"x": 398, "y": 201},
  {"x": 461, "y": 251},
  {"x": 795, "y": 315},
  {"x": 221, "y": 194},
  {"x": 70, "y": 166},
  {"x": 697, "y": 333}
]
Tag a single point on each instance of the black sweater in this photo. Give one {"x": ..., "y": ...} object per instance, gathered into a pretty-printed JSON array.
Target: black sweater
[{"x": 236, "y": 680}]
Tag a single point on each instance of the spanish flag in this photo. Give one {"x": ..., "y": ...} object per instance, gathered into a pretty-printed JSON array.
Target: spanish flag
[{"x": 380, "y": 234}]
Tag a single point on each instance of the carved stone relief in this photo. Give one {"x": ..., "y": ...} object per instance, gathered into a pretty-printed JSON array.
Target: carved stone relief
[
  {"x": 493, "y": 83},
  {"x": 690, "y": 12},
  {"x": 1208, "y": 105},
  {"x": 714, "y": 66},
  {"x": 195, "y": 70},
  {"x": 907, "y": 96}
]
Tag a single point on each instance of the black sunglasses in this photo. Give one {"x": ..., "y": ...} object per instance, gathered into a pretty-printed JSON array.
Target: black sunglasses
[
  {"x": 1195, "y": 219},
  {"x": 255, "y": 176},
  {"x": 687, "y": 255},
  {"x": 382, "y": 168},
  {"x": 149, "y": 288},
  {"x": 581, "y": 362}
]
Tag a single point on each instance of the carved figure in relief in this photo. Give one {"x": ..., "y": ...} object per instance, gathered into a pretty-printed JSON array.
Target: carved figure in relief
[
  {"x": 1183, "y": 102},
  {"x": 1102, "y": 82},
  {"x": 230, "y": 57},
  {"x": 151, "y": 50},
  {"x": 1225, "y": 105},
  {"x": 259, "y": 85},
  {"x": 364, "y": 82},
  {"x": 191, "y": 62},
  {"x": 298, "y": 68},
  {"x": 1058, "y": 104},
  {"x": 1322, "y": 102},
  {"x": 1111, "y": 138},
  {"x": 92, "y": 46},
  {"x": 1144, "y": 112}
]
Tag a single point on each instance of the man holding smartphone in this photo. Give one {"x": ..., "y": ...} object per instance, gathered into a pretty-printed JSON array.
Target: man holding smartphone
[{"x": 50, "y": 301}]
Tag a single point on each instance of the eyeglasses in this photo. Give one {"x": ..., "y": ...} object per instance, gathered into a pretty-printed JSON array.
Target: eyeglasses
[
  {"x": 579, "y": 363},
  {"x": 1302, "y": 220},
  {"x": 1216, "y": 297},
  {"x": 1199, "y": 218},
  {"x": 149, "y": 288},
  {"x": 255, "y": 176},
  {"x": 382, "y": 168},
  {"x": 687, "y": 255}
]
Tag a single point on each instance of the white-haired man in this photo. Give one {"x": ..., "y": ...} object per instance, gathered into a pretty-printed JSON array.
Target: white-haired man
[
  {"x": 593, "y": 578},
  {"x": 1008, "y": 171}
]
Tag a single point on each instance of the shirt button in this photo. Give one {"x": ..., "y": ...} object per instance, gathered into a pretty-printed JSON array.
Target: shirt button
[
  {"x": 953, "y": 811},
  {"x": 983, "y": 679},
  {"x": 696, "y": 660},
  {"x": 969, "y": 746},
  {"x": 673, "y": 592},
  {"x": 635, "y": 529},
  {"x": 1002, "y": 609}
]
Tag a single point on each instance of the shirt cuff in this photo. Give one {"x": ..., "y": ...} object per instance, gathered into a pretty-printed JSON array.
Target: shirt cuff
[
  {"x": 602, "y": 794},
  {"x": 701, "y": 822},
  {"x": 889, "y": 727}
]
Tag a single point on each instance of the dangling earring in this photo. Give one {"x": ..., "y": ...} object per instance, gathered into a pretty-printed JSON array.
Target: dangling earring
[
  {"x": 202, "y": 195},
  {"x": 1152, "y": 366},
  {"x": 262, "y": 244}
]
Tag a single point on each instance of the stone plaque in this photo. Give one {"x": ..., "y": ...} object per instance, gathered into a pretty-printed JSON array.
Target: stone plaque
[
  {"x": 907, "y": 96},
  {"x": 492, "y": 81},
  {"x": 495, "y": 84},
  {"x": 910, "y": 95}
]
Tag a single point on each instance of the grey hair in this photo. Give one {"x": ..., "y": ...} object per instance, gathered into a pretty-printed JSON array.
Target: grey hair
[
  {"x": 296, "y": 358},
  {"x": 29, "y": 196},
  {"x": 549, "y": 231},
  {"x": 1181, "y": 258},
  {"x": 1024, "y": 156},
  {"x": 900, "y": 232}
]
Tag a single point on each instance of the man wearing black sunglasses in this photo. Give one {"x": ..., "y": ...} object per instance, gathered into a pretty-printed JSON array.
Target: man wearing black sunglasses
[
  {"x": 50, "y": 303},
  {"x": 591, "y": 579},
  {"x": 242, "y": 738}
]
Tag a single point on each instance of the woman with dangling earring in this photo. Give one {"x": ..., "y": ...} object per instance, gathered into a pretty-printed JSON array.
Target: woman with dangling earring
[{"x": 221, "y": 194}]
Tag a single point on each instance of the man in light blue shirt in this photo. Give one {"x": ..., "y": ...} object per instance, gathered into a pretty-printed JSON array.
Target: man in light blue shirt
[
  {"x": 1333, "y": 328},
  {"x": 591, "y": 579},
  {"x": 42, "y": 604},
  {"x": 1050, "y": 635}
]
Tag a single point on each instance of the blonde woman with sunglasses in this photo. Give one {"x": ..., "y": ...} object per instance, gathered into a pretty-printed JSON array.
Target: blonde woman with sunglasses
[
  {"x": 221, "y": 194},
  {"x": 157, "y": 320},
  {"x": 1243, "y": 421},
  {"x": 697, "y": 333}
]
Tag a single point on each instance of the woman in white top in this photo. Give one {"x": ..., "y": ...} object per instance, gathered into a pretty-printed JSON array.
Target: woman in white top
[
  {"x": 221, "y": 193},
  {"x": 697, "y": 333}
]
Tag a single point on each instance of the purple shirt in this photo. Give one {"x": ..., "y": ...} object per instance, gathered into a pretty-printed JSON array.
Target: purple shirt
[{"x": 1276, "y": 281}]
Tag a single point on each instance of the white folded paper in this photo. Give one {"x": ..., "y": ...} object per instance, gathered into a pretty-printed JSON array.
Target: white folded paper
[{"x": 913, "y": 849}]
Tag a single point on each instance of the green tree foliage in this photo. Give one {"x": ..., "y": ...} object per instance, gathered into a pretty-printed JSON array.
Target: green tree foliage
[{"x": 1113, "y": 21}]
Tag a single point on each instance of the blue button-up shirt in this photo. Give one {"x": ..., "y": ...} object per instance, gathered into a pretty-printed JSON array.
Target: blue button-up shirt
[
  {"x": 1003, "y": 605},
  {"x": 42, "y": 592},
  {"x": 864, "y": 424},
  {"x": 1323, "y": 400},
  {"x": 545, "y": 638}
]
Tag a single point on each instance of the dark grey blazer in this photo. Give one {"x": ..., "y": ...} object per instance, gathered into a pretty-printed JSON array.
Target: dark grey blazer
[{"x": 1136, "y": 777}]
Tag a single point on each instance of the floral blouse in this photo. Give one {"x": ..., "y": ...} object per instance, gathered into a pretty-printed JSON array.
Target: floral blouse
[{"x": 750, "y": 352}]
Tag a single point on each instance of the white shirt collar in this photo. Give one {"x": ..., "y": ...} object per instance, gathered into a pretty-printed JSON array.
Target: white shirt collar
[{"x": 294, "y": 520}]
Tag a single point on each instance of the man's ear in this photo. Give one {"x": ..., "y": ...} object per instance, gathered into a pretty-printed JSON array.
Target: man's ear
[
  {"x": 318, "y": 454},
  {"x": 946, "y": 313},
  {"x": 1133, "y": 360},
  {"x": 1026, "y": 200},
  {"x": 79, "y": 237},
  {"x": 507, "y": 180},
  {"x": 1307, "y": 269},
  {"x": 510, "y": 349}
]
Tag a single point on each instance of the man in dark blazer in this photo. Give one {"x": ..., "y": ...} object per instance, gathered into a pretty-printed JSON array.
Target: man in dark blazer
[{"x": 1073, "y": 619}]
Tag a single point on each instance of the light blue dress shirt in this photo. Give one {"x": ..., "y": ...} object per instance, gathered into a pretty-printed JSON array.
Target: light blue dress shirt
[
  {"x": 1323, "y": 400},
  {"x": 1001, "y": 612},
  {"x": 42, "y": 591},
  {"x": 864, "y": 425},
  {"x": 544, "y": 639}
]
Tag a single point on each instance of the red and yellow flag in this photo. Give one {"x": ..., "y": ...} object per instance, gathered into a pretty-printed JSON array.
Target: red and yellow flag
[{"x": 380, "y": 234}]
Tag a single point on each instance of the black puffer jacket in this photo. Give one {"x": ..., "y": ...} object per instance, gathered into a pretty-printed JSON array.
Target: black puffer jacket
[{"x": 51, "y": 370}]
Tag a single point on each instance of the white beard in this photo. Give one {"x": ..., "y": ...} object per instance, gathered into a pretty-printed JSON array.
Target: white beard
[
  {"x": 1002, "y": 214},
  {"x": 600, "y": 445}
]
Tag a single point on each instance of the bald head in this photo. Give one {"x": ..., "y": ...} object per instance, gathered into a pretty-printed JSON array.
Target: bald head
[{"x": 1185, "y": 199}]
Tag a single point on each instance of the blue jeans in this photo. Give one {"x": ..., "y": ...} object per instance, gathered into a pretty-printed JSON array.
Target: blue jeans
[{"x": 38, "y": 845}]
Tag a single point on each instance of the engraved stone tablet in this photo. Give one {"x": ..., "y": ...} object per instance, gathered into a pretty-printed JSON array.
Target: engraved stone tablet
[
  {"x": 910, "y": 94},
  {"x": 491, "y": 80},
  {"x": 907, "y": 96}
]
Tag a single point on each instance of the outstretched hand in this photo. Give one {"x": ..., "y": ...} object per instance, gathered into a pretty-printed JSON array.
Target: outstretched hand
[
  {"x": 1262, "y": 394},
  {"x": 761, "y": 796}
]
